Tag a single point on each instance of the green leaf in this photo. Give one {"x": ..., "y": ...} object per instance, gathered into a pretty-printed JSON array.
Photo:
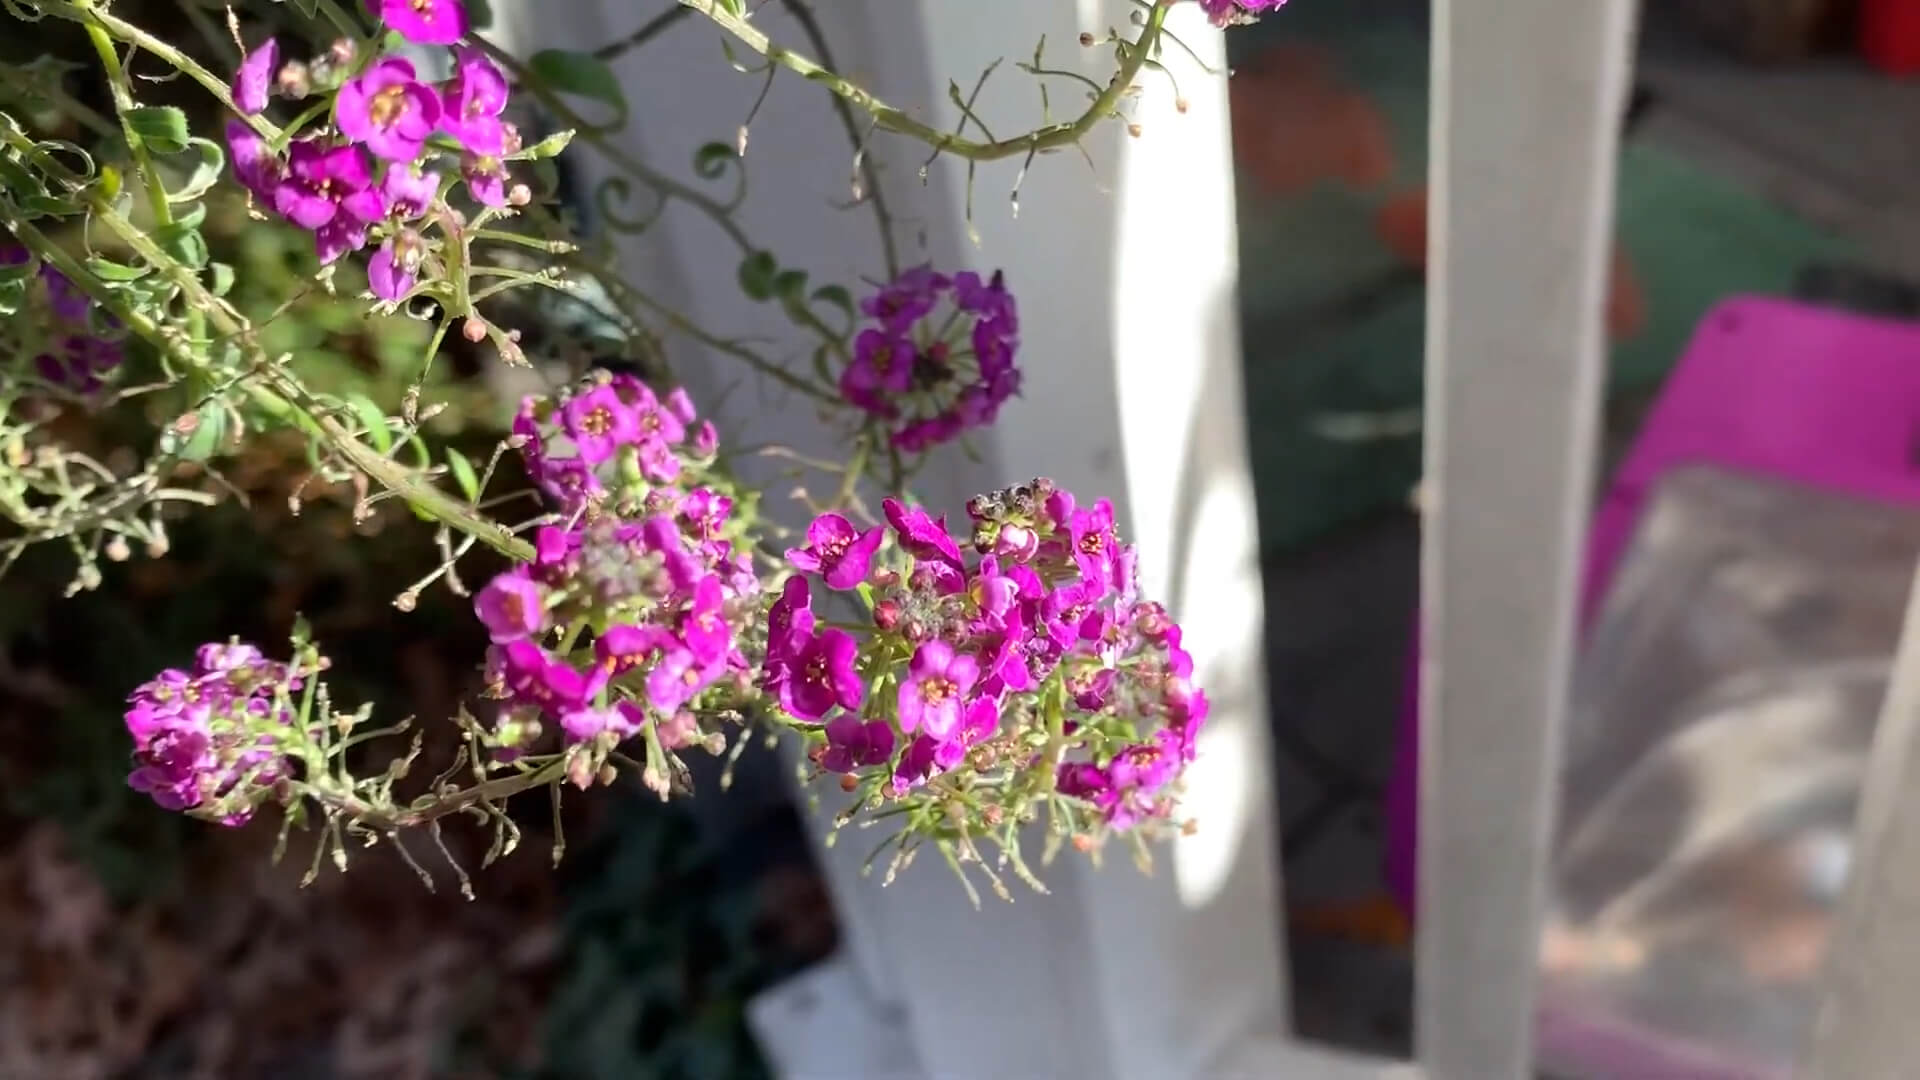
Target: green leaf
[
  {"x": 756, "y": 275},
  {"x": 108, "y": 270},
  {"x": 222, "y": 279},
  {"x": 581, "y": 75},
  {"x": 181, "y": 238},
  {"x": 548, "y": 147},
  {"x": 837, "y": 295},
  {"x": 374, "y": 419},
  {"x": 790, "y": 285},
  {"x": 38, "y": 206},
  {"x": 208, "y": 435},
  {"x": 17, "y": 273},
  {"x": 463, "y": 474},
  {"x": 17, "y": 179},
  {"x": 206, "y": 171},
  {"x": 13, "y": 294},
  {"x": 162, "y": 128},
  {"x": 714, "y": 159}
]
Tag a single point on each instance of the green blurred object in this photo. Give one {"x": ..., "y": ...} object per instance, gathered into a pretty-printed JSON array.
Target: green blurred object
[{"x": 1333, "y": 322}]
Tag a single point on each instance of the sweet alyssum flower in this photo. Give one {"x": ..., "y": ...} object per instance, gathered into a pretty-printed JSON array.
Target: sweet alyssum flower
[
  {"x": 938, "y": 359},
  {"x": 1231, "y": 12},
  {"x": 425, "y": 22},
  {"x": 609, "y": 442},
  {"x": 1031, "y": 668},
  {"x": 637, "y": 605},
  {"x": 389, "y": 111},
  {"x": 836, "y": 550},
  {"x": 211, "y": 740},
  {"x": 392, "y": 271},
  {"x": 472, "y": 101}
]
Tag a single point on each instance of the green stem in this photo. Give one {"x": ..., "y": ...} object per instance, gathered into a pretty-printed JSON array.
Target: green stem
[
  {"x": 123, "y": 103},
  {"x": 382, "y": 820},
  {"x": 1039, "y": 140},
  {"x": 121, "y": 30},
  {"x": 275, "y": 390}
]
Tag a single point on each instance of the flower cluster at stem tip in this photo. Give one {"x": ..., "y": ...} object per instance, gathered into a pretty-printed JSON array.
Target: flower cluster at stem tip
[
  {"x": 610, "y": 439},
  {"x": 213, "y": 740},
  {"x": 384, "y": 116},
  {"x": 646, "y": 585},
  {"x": 1031, "y": 672},
  {"x": 938, "y": 357},
  {"x": 1236, "y": 12}
]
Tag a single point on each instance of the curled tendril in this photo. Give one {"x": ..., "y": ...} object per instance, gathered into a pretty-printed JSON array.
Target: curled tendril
[
  {"x": 614, "y": 190},
  {"x": 715, "y": 160},
  {"x": 43, "y": 156}
]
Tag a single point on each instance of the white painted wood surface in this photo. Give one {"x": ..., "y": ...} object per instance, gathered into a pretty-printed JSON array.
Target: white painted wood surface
[
  {"x": 1865, "y": 1029},
  {"x": 1524, "y": 133}
]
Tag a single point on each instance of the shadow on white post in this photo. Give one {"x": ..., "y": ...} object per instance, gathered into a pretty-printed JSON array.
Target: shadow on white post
[{"x": 1125, "y": 276}]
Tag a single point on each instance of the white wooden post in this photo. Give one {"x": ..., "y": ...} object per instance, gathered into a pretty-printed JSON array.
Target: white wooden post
[
  {"x": 1524, "y": 131},
  {"x": 1865, "y": 1028},
  {"x": 1125, "y": 275}
]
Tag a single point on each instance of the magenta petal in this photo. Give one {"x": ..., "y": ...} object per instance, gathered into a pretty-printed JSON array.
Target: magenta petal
[
  {"x": 386, "y": 277},
  {"x": 253, "y": 83}
]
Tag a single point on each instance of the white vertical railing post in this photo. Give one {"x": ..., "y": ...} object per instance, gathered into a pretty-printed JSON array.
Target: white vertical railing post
[
  {"x": 1865, "y": 1028},
  {"x": 1524, "y": 131}
]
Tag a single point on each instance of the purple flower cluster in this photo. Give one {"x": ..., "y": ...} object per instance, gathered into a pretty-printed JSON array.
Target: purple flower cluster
[
  {"x": 1236, "y": 12},
  {"x": 610, "y": 442},
  {"x": 649, "y": 603},
  {"x": 937, "y": 358},
  {"x": 209, "y": 740},
  {"x": 1042, "y": 635},
  {"x": 70, "y": 354},
  {"x": 373, "y": 173}
]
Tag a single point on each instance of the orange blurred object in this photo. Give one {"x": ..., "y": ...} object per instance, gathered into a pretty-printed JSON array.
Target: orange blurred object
[
  {"x": 1376, "y": 920},
  {"x": 1295, "y": 126},
  {"x": 1402, "y": 224}
]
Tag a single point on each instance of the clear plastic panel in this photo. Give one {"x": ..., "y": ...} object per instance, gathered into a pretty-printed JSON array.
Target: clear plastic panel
[{"x": 1723, "y": 709}]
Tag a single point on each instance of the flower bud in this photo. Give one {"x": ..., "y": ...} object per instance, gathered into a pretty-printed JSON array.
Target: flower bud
[
  {"x": 849, "y": 782},
  {"x": 117, "y": 549},
  {"x": 1017, "y": 542},
  {"x": 886, "y": 614},
  {"x": 1086, "y": 39},
  {"x": 580, "y": 771},
  {"x": 519, "y": 195},
  {"x": 474, "y": 329},
  {"x": 294, "y": 80},
  {"x": 341, "y": 51}
]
